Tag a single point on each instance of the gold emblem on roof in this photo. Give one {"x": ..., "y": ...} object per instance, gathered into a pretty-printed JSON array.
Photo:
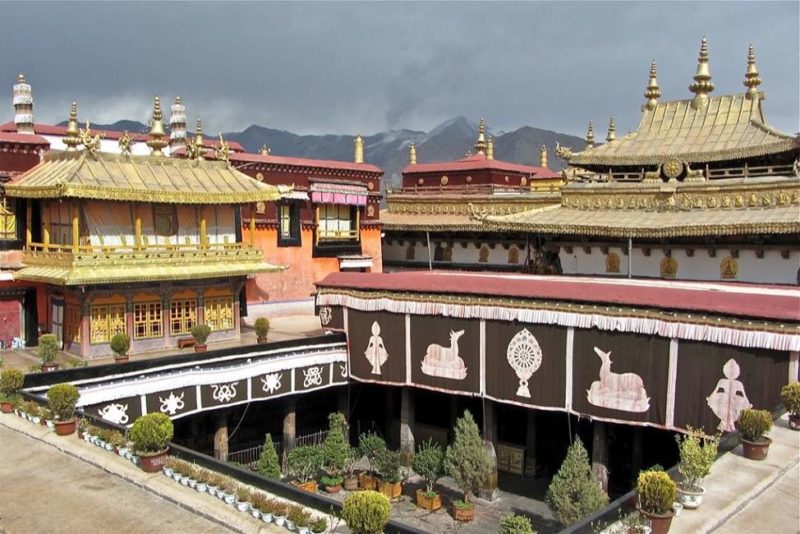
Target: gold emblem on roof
[
  {"x": 91, "y": 144},
  {"x": 223, "y": 151},
  {"x": 125, "y": 143}
]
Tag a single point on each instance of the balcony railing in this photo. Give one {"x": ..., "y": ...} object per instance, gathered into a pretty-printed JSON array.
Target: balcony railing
[{"x": 337, "y": 235}]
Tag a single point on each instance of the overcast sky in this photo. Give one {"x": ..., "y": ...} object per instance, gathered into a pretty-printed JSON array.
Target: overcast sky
[{"x": 363, "y": 68}]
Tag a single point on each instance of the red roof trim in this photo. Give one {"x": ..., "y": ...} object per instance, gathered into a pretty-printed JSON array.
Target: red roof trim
[
  {"x": 479, "y": 162},
  {"x": 247, "y": 157},
  {"x": 780, "y": 303},
  {"x": 22, "y": 139}
]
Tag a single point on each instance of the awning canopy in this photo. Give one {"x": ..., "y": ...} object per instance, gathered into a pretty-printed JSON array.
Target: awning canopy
[
  {"x": 355, "y": 262},
  {"x": 339, "y": 193}
]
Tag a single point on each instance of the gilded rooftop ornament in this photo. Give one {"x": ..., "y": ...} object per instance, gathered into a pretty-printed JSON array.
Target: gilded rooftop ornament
[
  {"x": 223, "y": 151},
  {"x": 590, "y": 135},
  {"x": 71, "y": 139},
  {"x": 543, "y": 156},
  {"x": 91, "y": 144},
  {"x": 653, "y": 93},
  {"x": 195, "y": 150},
  {"x": 612, "y": 130},
  {"x": 490, "y": 148},
  {"x": 412, "y": 154},
  {"x": 265, "y": 150},
  {"x": 480, "y": 144},
  {"x": 358, "y": 149},
  {"x": 126, "y": 143},
  {"x": 702, "y": 84},
  {"x": 751, "y": 77},
  {"x": 157, "y": 141},
  {"x": 563, "y": 152}
]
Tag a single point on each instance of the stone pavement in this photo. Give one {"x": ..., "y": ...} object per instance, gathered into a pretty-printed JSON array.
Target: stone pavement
[
  {"x": 51, "y": 483},
  {"x": 744, "y": 496}
]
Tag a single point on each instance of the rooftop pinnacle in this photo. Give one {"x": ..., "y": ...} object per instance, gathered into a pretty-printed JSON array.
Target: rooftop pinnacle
[
  {"x": 653, "y": 93},
  {"x": 702, "y": 84},
  {"x": 751, "y": 77}
]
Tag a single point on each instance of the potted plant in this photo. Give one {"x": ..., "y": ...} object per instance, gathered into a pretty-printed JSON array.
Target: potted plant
[
  {"x": 335, "y": 453},
  {"x": 262, "y": 505},
  {"x": 319, "y": 525},
  {"x": 366, "y": 512},
  {"x": 697, "y": 455},
  {"x": 390, "y": 483},
  {"x": 574, "y": 492},
  {"x": 279, "y": 511},
  {"x": 262, "y": 329},
  {"x": 370, "y": 445},
  {"x": 304, "y": 463},
  {"x": 48, "y": 349},
  {"x": 62, "y": 399},
  {"x": 297, "y": 518},
  {"x": 753, "y": 425},
  {"x": 11, "y": 381},
  {"x": 468, "y": 463},
  {"x": 242, "y": 499},
  {"x": 268, "y": 460},
  {"x": 200, "y": 333},
  {"x": 120, "y": 345},
  {"x": 350, "y": 479},
  {"x": 790, "y": 397},
  {"x": 656, "y": 492},
  {"x": 429, "y": 464},
  {"x": 150, "y": 435},
  {"x": 516, "y": 524}
]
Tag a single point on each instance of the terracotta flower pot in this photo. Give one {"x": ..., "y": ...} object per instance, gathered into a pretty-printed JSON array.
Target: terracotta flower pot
[
  {"x": 333, "y": 489},
  {"x": 153, "y": 462},
  {"x": 310, "y": 486},
  {"x": 756, "y": 450},
  {"x": 6, "y": 407},
  {"x": 65, "y": 428},
  {"x": 261, "y": 340},
  {"x": 431, "y": 504},
  {"x": 200, "y": 348},
  {"x": 659, "y": 523},
  {"x": 367, "y": 482},
  {"x": 121, "y": 359},
  {"x": 393, "y": 490},
  {"x": 464, "y": 514}
]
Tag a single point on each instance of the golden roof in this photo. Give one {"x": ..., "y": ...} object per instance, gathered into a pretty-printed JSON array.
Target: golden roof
[
  {"x": 728, "y": 127},
  {"x": 742, "y": 207},
  {"x": 105, "y": 176}
]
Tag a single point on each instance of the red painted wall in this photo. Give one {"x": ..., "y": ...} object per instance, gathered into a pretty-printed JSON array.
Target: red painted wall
[{"x": 10, "y": 321}]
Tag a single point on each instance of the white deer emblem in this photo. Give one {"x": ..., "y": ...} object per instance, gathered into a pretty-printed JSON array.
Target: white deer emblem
[
  {"x": 445, "y": 362},
  {"x": 618, "y": 391}
]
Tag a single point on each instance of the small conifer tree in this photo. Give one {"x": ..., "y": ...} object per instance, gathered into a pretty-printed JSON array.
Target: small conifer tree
[
  {"x": 268, "y": 461},
  {"x": 574, "y": 492},
  {"x": 336, "y": 447},
  {"x": 466, "y": 460}
]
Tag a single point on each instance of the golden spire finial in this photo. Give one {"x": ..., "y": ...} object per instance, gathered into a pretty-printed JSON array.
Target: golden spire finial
[
  {"x": 198, "y": 150},
  {"x": 480, "y": 144},
  {"x": 412, "y": 154},
  {"x": 358, "y": 149},
  {"x": 612, "y": 130},
  {"x": 223, "y": 151},
  {"x": 653, "y": 93},
  {"x": 702, "y": 84},
  {"x": 157, "y": 141},
  {"x": 71, "y": 139},
  {"x": 751, "y": 77},
  {"x": 490, "y": 148},
  {"x": 543, "y": 156},
  {"x": 264, "y": 150},
  {"x": 21, "y": 78},
  {"x": 590, "y": 135}
]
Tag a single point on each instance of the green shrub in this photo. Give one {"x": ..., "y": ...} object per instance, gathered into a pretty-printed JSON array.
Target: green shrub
[
  {"x": 655, "y": 491},
  {"x": 336, "y": 447},
  {"x": 574, "y": 492},
  {"x": 268, "y": 461},
  {"x": 790, "y": 397},
  {"x": 331, "y": 481},
  {"x": 151, "y": 433},
  {"x": 319, "y": 525},
  {"x": 261, "y": 327},
  {"x": 366, "y": 512},
  {"x": 516, "y": 524},
  {"x": 200, "y": 333},
  {"x": 388, "y": 464},
  {"x": 11, "y": 381},
  {"x": 370, "y": 445},
  {"x": 62, "y": 399},
  {"x": 429, "y": 463},
  {"x": 753, "y": 424},
  {"x": 305, "y": 462},
  {"x": 120, "y": 344},
  {"x": 697, "y": 455},
  {"x": 466, "y": 460},
  {"x": 48, "y": 347}
]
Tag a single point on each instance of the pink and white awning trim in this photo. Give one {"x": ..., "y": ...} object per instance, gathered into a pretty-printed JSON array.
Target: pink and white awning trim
[
  {"x": 338, "y": 193},
  {"x": 679, "y": 330}
]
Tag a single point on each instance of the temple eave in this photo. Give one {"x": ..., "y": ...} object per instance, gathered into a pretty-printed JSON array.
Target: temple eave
[{"x": 137, "y": 195}]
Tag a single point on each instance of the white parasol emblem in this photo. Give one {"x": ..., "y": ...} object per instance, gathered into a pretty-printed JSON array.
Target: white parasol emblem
[{"x": 524, "y": 355}]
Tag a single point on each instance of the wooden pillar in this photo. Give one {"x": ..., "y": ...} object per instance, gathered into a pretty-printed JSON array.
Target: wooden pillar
[
  {"x": 221, "y": 438},
  {"x": 45, "y": 235},
  {"x": 600, "y": 453},
  {"x": 253, "y": 225},
  {"x": 358, "y": 223},
  {"x": 530, "y": 445},
  {"x": 76, "y": 230},
  {"x": 316, "y": 222},
  {"x": 289, "y": 429},
  {"x": 488, "y": 489},
  {"x": 28, "y": 222},
  {"x": 137, "y": 233},
  {"x": 203, "y": 232},
  {"x": 407, "y": 445}
]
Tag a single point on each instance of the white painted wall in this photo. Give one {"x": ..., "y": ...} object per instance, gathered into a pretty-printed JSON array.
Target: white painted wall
[{"x": 110, "y": 146}]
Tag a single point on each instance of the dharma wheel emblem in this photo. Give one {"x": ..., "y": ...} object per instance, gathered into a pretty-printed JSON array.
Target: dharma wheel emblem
[
  {"x": 671, "y": 169},
  {"x": 524, "y": 355}
]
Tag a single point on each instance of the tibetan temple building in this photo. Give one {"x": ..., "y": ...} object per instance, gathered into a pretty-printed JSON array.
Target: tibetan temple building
[
  {"x": 704, "y": 189},
  {"x": 428, "y": 224}
]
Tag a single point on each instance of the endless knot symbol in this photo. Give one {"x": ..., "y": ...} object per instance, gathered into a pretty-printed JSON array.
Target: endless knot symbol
[
  {"x": 224, "y": 392},
  {"x": 313, "y": 377}
]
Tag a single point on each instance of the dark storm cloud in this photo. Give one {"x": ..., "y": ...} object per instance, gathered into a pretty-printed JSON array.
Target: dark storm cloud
[{"x": 353, "y": 67}]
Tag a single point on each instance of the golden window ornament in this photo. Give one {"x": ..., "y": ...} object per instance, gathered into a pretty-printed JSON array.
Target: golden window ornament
[
  {"x": 219, "y": 313},
  {"x": 8, "y": 220},
  {"x": 147, "y": 320},
  {"x": 106, "y": 321},
  {"x": 182, "y": 316},
  {"x": 72, "y": 323}
]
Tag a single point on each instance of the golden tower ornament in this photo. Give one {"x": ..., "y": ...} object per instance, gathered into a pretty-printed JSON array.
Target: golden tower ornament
[
  {"x": 653, "y": 93},
  {"x": 195, "y": 150},
  {"x": 480, "y": 144},
  {"x": 90, "y": 144},
  {"x": 702, "y": 84},
  {"x": 358, "y": 149},
  {"x": 71, "y": 139},
  {"x": 543, "y": 157},
  {"x": 125, "y": 143},
  {"x": 157, "y": 141},
  {"x": 412, "y": 154},
  {"x": 264, "y": 150},
  {"x": 612, "y": 130},
  {"x": 490, "y": 148},
  {"x": 590, "y": 136},
  {"x": 751, "y": 77},
  {"x": 223, "y": 151}
]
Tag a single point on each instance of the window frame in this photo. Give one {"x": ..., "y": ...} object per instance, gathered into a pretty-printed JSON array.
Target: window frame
[
  {"x": 294, "y": 239},
  {"x": 151, "y": 324},
  {"x": 185, "y": 319},
  {"x": 212, "y": 308},
  {"x": 108, "y": 311}
]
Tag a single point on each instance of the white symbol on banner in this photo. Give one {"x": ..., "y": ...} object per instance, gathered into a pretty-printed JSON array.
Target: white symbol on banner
[
  {"x": 272, "y": 383},
  {"x": 172, "y": 404},
  {"x": 313, "y": 377},
  {"x": 343, "y": 369},
  {"x": 116, "y": 413},
  {"x": 376, "y": 352},
  {"x": 325, "y": 315},
  {"x": 728, "y": 399},
  {"x": 444, "y": 362},
  {"x": 617, "y": 391},
  {"x": 524, "y": 355},
  {"x": 224, "y": 392}
]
